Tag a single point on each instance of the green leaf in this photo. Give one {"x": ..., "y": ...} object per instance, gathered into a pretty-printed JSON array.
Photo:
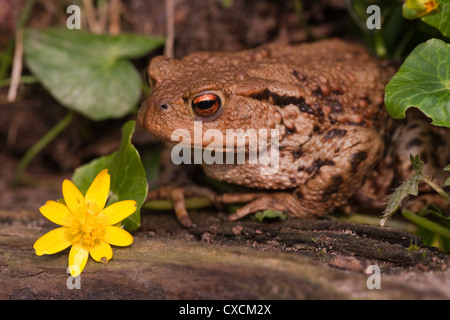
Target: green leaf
[
  {"x": 437, "y": 216},
  {"x": 128, "y": 180},
  {"x": 431, "y": 239},
  {"x": 423, "y": 81},
  {"x": 434, "y": 227},
  {"x": 447, "y": 182},
  {"x": 416, "y": 163},
  {"x": 409, "y": 187},
  {"x": 269, "y": 214},
  {"x": 88, "y": 73},
  {"x": 440, "y": 18}
]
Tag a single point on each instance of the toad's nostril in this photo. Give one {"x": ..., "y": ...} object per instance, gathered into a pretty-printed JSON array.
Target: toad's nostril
[{"x": 164, "y": 106}]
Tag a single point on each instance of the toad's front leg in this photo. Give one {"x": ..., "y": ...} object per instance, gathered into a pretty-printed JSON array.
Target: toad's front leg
[{"x": 178, "y": 194}]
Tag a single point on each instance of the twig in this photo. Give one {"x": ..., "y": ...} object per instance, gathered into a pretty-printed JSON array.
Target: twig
[
  {"x": 115, "y": 11},
  {"x": 96, "y": 25},
  {"x": 102, "y": 15},
  {"x": 170, "y": 26},
  {"x": 18, "y": 52},
  {"x": 90, "y": 14},
  {"x": 17, "y": 66}
]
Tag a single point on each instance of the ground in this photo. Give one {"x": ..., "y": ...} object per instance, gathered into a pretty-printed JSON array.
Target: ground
[{"x": 291, "y": 259}]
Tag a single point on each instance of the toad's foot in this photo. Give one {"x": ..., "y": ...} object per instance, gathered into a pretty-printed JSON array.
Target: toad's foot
[
  {"x": 279, "y": 201},
  {"x": 178, "y": 194}
]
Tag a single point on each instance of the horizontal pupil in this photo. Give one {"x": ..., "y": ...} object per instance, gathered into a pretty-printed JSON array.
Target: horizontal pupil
[{"x": 206, "y": 104}]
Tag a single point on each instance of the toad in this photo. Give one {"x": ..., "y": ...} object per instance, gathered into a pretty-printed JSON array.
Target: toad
[{"x": 324, "y": 99}]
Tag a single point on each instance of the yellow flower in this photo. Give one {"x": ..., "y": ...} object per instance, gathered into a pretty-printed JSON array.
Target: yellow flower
[{"x": 87, "y": 225}]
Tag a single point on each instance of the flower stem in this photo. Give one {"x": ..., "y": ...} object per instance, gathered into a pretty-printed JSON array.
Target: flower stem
[{"x": 41, "y": 144}]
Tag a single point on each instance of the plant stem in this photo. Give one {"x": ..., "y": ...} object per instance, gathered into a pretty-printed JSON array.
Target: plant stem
[
  {"x": 6, "y": 59},
  {"x": 427, "y": 224},
  {"x": 23, "y": 79},
  {"x": 41, "y": 144},
  {"x": 354, "y": 15},
  {"x": 438, "y": 189},
  {"x": 25, "y": 13},
  {"x": 379, "y": 45},
  {"x": 190, "y": 203}
]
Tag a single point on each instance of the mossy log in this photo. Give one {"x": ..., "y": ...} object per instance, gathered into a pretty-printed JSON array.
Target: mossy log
[{"x": 216, "y": 259}]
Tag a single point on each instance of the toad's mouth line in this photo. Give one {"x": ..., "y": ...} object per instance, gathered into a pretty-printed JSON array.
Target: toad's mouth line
[
  {"x": 251, "y": 147},
  {"x": 233, "y": 141}
]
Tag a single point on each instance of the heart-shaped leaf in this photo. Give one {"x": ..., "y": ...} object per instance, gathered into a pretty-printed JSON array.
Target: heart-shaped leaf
[
  {"x": 423, "y": 81},
  {"x": 86, "y": 72},
  {"x": 128, "y": 180}
]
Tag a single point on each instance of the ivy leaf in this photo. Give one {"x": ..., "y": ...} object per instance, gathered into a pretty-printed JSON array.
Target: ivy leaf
[
  {"x": 88, "y": 73},
  {"x": 440, "y": 18},
  {"x": 128, "y": 180},
  {"x": 423, "y": 81},
  {"x": 433, "y": 12}
]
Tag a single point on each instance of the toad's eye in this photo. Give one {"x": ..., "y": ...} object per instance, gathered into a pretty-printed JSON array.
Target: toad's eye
[{"x": 206, "y": 105}]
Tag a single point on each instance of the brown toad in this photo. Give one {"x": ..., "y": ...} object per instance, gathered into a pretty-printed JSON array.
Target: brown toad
[{"x": 324, "y": 98}]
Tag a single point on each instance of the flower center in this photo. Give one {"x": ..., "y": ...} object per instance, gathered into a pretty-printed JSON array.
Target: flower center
[{"x": 88, "y": 228}]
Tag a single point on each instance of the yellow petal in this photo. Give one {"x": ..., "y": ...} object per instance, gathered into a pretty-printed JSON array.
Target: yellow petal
[
  {"x": 97, "y": 193},
  {"x": 101, "y": 251},
  {"x": 73, "y": 197},
  {"x": 78, "y": 257},
  {"x": 119, "y": 211},
  {"x": 53, "y": 241},
  {"x": 117, "y": 236},
  {"x": 57, "y": 212}
]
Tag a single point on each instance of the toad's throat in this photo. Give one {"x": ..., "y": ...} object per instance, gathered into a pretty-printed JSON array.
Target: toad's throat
[{"x": 267, "y": 162}]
